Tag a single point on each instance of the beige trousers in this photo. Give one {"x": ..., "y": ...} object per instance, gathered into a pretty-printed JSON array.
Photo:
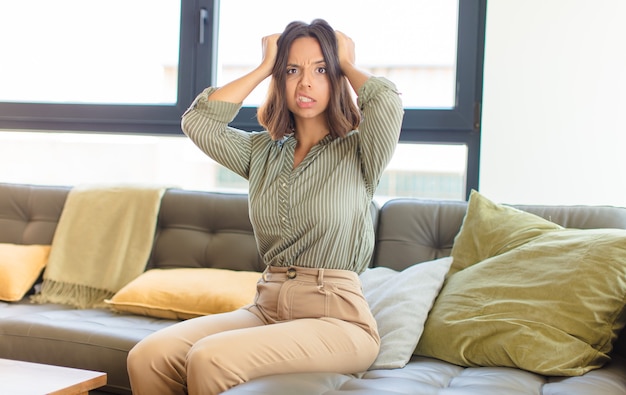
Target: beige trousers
[{"x": 302, "y": 320}]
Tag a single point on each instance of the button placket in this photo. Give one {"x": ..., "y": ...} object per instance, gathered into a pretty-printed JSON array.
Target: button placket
[{"x": 284, "y": 190}]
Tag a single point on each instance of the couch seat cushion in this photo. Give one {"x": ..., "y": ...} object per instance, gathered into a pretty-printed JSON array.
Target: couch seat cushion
[
  {"x": 427, "y": 376},
  {"x": 93, "y": 339},
  {"x": 25, "y": 306}
]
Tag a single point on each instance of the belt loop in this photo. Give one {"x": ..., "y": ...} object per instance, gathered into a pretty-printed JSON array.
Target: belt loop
[
  {"x": 320, "y": 278},
  {"x": 265, "y": 274}
]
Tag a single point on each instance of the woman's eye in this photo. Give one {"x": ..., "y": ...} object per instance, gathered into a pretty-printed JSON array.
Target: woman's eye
[
  {"x": 321, "y": 70},
  {"x": 292, "y": 71}
]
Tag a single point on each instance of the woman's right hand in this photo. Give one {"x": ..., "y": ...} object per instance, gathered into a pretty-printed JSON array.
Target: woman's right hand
[
  {"x": 345, "y": 48},
  {"x": 236, "y": 91},
  {"x": 270, "y": 50},
  {"x": 346, "y": 54}
]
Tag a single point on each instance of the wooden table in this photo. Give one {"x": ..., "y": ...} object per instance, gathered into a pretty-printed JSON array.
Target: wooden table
[{"x": 27, "y": 378}]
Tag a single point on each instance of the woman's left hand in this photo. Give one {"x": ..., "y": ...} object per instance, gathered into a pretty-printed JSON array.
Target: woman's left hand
[
  {"x": 346, "y": 52},
  {"x": 347, "y": 58}
]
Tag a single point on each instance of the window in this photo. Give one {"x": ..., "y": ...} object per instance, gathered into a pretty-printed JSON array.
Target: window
[
  {"x": 432, "y": 50},
  {"x": 425, "y": 74},
  {"x": 114, "y": 66},
  {"x": 93, "y": 55},
  {"x": 132, "y": 67}
]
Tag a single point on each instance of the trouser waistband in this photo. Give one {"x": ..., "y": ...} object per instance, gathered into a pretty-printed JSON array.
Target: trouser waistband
[{"x": 307, "y": 274}]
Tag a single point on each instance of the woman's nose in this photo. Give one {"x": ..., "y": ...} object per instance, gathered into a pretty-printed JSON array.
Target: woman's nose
[{"x": 305, "y": 80}]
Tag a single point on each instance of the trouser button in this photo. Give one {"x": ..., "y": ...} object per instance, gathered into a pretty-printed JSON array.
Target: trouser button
[{"x": 291, "y": 273}]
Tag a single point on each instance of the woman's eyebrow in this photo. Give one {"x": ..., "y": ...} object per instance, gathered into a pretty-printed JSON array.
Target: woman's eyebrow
[{"x": 297, "y": 65}]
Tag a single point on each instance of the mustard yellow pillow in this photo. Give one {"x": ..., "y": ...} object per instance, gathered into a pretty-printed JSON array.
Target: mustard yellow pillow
[
  {"x": 186, "y": 293},
  {"x": 489, "y": 229},
  {"x": 552, "y": 305},
  {"x": 20, "y": 266}
]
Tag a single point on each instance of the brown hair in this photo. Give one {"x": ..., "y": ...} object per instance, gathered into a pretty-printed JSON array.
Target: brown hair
[{"x": 342, "y": 114}]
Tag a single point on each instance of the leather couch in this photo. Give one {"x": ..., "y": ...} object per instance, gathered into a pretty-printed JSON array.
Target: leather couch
[{"x": 204, "y": 229}]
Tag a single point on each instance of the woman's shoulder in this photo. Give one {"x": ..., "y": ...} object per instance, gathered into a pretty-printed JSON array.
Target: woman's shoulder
[
  {"x": 261, "y": 136},
  {"x": 263, "y": 139},
  {"x": 375, "y": 85}
]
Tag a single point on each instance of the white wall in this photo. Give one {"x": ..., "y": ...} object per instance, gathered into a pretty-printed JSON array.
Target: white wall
[{"x": 554, "y": 109}]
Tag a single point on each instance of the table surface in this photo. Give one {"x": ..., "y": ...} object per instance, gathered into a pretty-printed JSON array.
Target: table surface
[{"x": 27, "y": 378}]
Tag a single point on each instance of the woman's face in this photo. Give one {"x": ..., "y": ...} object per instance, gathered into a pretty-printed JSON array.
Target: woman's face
[{"x": 307, "y": 84}]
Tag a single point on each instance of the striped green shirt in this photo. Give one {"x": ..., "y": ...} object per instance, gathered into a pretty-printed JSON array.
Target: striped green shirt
[{"x": 316, "y": 215}]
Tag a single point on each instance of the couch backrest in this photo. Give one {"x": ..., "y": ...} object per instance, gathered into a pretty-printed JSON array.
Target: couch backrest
[
  {"x": 29, "y": 214},
  {"x": 208, "y": 229},
  {"x": 414, "y": 230},
  {"x": 204, "y": 229},
  {"x": 194, "y": 229}
]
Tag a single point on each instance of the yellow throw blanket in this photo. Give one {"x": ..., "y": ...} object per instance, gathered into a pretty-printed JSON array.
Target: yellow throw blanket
[{"x": 102, "y": 242}]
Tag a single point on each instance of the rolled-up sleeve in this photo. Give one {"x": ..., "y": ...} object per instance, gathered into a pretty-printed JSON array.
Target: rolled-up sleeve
[
  {"x": 206, "y": 124},
  {"x": 379, "y": 130}
]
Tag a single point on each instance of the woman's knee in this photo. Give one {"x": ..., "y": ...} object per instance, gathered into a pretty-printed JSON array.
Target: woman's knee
[
  {"x": 156, "y": 352},
  {"x": 207, "y": 352},
  {"x": 212, "y": 367},
  {"x": 139, "y": 354}
]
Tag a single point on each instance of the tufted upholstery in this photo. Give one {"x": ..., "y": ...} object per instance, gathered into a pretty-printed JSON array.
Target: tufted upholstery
[
  {"x": 413, "y": 230},
  {"x": 426, "y": 376},
  {"x": 93, "y": 339},
  {"x": 204, "y": 229},
  {"x": 29, "y": 214},
  {"x": 409, "y": 233}
]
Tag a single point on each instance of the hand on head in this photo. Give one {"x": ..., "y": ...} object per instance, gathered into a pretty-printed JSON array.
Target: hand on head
[
  {"x": 346, "y": 51},
  {"x": 345, "y": 48},
  {"x": 270, "y": 50}
]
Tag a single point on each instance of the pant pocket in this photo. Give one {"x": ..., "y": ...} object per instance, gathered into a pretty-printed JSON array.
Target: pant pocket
[
  {"x": 302, "y": 300},
  {"x": 346, "y": 302}
]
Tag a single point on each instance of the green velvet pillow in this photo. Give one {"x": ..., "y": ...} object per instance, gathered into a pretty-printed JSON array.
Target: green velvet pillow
[
  {"x": 552, "y": 304},
  {"x": 489, "y": 229}
]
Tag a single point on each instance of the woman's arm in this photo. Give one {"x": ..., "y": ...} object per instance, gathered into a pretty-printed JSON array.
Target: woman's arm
[
  {"x": 206, "y": 121},
  {"x": 382, "y": 113},
  {"x": 237, "y": 90}
]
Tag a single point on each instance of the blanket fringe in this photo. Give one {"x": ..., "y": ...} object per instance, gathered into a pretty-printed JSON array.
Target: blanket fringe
[{"x": 79, "y": 296}]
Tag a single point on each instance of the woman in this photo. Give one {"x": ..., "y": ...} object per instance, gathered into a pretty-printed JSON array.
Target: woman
[{"x": 312, "y": 176}]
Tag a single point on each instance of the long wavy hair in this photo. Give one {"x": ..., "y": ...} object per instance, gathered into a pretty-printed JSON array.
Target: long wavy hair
[{"x": 342, "y": 114}]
